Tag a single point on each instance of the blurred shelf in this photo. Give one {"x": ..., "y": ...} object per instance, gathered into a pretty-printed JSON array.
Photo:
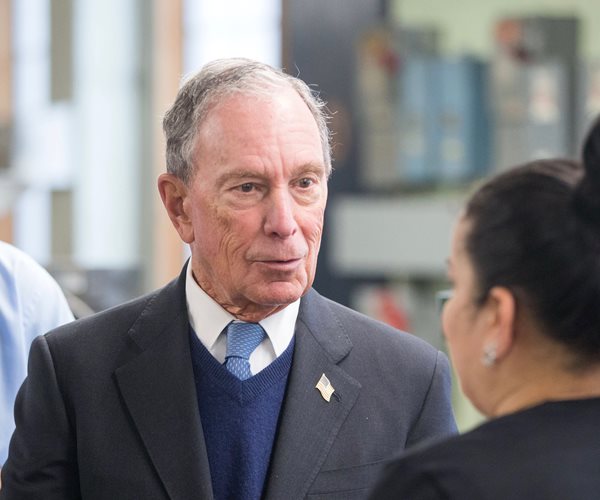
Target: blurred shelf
[{"x": 408, "y": 236}]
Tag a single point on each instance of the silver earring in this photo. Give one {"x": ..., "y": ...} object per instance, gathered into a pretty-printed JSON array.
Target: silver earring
[{"x": 489, "y": 355}]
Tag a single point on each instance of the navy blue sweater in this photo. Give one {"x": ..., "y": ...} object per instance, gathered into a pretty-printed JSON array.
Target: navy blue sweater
[{"x": 239, "y": 420}]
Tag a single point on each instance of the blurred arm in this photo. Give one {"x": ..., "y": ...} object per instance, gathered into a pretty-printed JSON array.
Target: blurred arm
[{"x": 42, "y": 455}]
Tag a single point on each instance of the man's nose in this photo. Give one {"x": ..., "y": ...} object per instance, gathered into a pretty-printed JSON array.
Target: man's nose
[{"x": 280, "y": 218}]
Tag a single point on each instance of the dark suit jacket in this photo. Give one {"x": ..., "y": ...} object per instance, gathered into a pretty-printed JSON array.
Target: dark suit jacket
[
  {"x": 109, "y": 409},
  {"x": 550, "y": 452}
]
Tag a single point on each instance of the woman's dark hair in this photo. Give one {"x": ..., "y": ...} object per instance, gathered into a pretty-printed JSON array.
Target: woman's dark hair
[{"x": 536, "y": 230}]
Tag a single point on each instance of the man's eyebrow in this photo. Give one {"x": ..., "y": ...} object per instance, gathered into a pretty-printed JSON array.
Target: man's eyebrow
[
  {"x": 238, "y": 175},
  {"x": 317, "y": 168}
]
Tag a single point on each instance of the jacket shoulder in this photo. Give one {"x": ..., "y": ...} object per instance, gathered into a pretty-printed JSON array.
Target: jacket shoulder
[
  {"x": 107, "y": 330},
  {"x": 368, "y": 333}
]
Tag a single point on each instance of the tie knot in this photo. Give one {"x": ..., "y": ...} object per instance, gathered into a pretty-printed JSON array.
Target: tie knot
[{"x": 243, "y": 338}]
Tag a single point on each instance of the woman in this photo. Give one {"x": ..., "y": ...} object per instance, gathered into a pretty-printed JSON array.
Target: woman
[{"x": 523, "y": 331}]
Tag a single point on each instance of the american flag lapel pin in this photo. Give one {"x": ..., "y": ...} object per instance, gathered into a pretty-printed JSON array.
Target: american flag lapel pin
[{"x": 325, "y": 388}]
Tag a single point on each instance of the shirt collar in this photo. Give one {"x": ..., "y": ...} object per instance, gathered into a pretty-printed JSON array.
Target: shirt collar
[{"x": 209, "y": 319}]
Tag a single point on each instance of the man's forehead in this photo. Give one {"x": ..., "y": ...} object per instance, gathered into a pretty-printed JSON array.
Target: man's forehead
[
  {"x": 255, "y": 111},
  {"x": 248, "y": 99},
  {"x": 245, "y": 128}
]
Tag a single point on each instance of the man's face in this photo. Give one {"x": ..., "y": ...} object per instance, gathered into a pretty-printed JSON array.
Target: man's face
[{"x": 256, "y": 202}]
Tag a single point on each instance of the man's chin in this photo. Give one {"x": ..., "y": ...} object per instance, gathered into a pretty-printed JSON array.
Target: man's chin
[{"x": 279, "y": 294}]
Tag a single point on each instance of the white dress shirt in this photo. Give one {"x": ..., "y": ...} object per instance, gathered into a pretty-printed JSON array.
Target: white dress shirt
[{"x": 209, "y": 319}]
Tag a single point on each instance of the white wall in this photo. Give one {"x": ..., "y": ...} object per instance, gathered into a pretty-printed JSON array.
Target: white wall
[{"x": 106, "y": 137}]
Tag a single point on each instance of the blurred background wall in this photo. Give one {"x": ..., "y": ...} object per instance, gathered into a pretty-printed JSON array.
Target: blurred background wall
[{"x": 428, "y": 96}]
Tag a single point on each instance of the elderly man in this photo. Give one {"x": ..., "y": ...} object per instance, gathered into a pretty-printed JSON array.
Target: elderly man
[{"x": 237, "y": 380}]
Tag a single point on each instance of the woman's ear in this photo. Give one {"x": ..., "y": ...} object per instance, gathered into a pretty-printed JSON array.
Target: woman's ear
[
  {"x": 174, "y": 194},
  {"x": 501, "y": 314}
]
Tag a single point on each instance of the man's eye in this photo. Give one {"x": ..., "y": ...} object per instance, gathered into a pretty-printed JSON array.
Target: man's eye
[
  {"x": 247, "y": 187},
  {"x": 306, "y": 182}
]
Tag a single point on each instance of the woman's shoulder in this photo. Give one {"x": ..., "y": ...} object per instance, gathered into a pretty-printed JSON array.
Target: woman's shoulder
[{"x": 522, "y": 451}]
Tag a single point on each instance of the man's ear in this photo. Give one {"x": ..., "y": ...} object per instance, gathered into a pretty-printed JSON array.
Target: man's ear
[
  {"x": 501, "y": 310},
  {"x": 174, "y": 194}
]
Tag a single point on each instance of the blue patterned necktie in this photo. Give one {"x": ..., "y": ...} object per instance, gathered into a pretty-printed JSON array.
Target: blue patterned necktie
[{"x": 242, "y": 339}]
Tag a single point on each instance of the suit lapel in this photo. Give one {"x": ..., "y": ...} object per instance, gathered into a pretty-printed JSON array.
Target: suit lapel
[
  {"x": 309, "y": 424},
  {"x": 157, "y": 386}
]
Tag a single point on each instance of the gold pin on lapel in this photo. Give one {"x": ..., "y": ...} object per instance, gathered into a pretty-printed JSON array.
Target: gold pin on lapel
[{"x": 325, "y": 388}]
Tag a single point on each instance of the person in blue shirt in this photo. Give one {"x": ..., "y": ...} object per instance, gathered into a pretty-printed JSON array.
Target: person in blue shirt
[{"x": 31, "y": 303}]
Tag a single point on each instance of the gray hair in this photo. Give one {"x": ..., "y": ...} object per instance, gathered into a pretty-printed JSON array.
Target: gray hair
[{"x": 216, "y": 81}]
